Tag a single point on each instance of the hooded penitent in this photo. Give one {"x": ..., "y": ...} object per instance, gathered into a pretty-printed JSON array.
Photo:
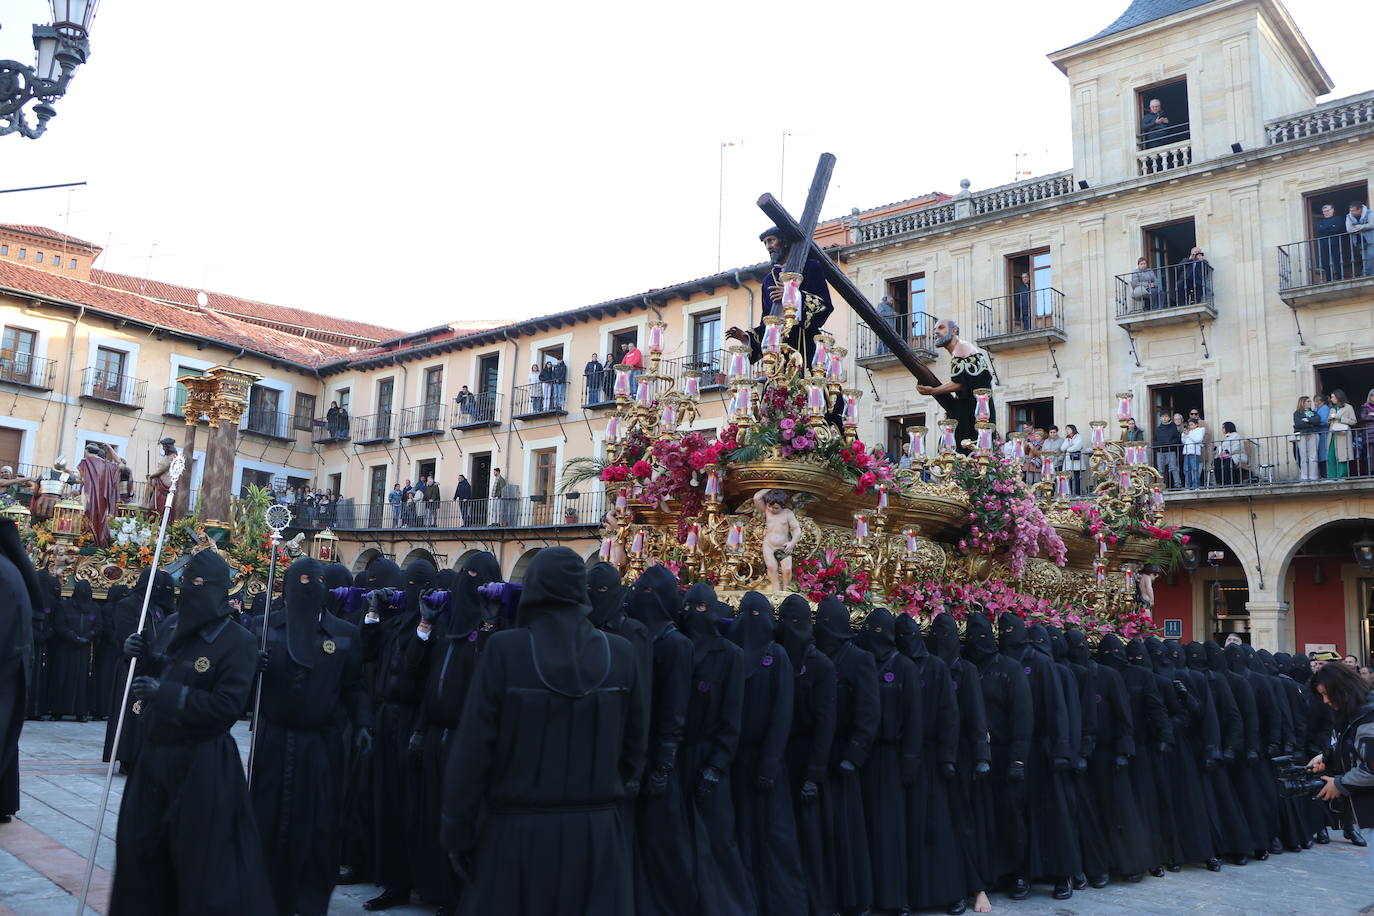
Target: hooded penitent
[
  {"x": 1137, "y": 654},
  {"x": 1076, "y": 647},
  {"x": 1112, "y": 653},
  {"x": 204, "y": 594},
  {"x": 304, "y": 590},
  {"x": 607, "y": 593},
  {"x": 1038, "y": 638},
  {"x": 794, "y": 628},
  {"x": 753, "y": 628},
  {"x": 909, "y": 641},
  {"x": 571, "y": 656},
  {"x": 1011, "y": 635},
  {"x": 654, "y": 600},
  {"x": 881, "y": 630},
  {"x": 832, "y": 625},
  {"x": 980, "y": 643},
  {"x": 468, "y": 609},
  {"x": 419, "y": 578},
  {"x": 701, "y": 613},
  {"x": 1196, "y": 655},
  {"x": 1159, "y": 659},
  {"x": 382, "y": 574},
  {"x": 1058, "y": 647},
  {"x": 1216, "y": 657},
  {"x": 943, "y": 639},
  {"x": 336, "y": 575}
]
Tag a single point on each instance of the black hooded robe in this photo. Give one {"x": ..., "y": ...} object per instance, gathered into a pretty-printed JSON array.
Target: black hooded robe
[
  {"x": 1262, "y": 803},
  {"x": 314, "y": 669},
  {"x": 1230, "y": 829},
  {"x": 808, "y": 750},
  {"x": 20, "y": 593},
  {"x": 546, "y": 743},
  {"x": 186, "y": 841},
  {"x": 40, "y": 671},
  {"x": 445, "y": 663},
  {"x": 106, "y": 654},
  {"x": 74, "y": 626},
  {"x": 663, "y": 857},
  {"x": 763, "y": 802},
  {"x": 857, "y": 717},
  {"x": 1192, "y": 830},
  {"x": 1076, "y": 682},
  {"x": 710, "y": 739},
  {"x": 123, "y": 622}
]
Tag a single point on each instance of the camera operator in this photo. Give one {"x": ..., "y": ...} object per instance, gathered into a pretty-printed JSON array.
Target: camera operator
[{"x": 1352, "y": 745}]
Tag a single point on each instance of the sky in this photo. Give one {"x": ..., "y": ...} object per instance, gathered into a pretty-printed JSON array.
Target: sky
[{"x": 416, "y": 163}]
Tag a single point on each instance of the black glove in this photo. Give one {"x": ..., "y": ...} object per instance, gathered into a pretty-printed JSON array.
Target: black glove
[
  {"x": 145, "y": 688},
  {"x": 1080, "y": 766},
  {"x": 946, "y": 770},
  {"x": 981, "y": 769},
  {"x": 1016, "y": 772},
  {"x": 1164, "y": 747},
  {"x": 136, "y": 646},
  {"x": 264, "y": 655},
  {"x": 808, "y": 793},
  {"x": 710, "y": 778},
  {"x": 847, "y": 768},
  {"x": 1229, "y": 755},
  {"x": 765, "y": 783},
  {"x": 1121, "y": 761},
  {"x": 362, "y": 741},
  {"x": 1252, "y": 755},
  {"x": 658, "y": 782},
  {"x": 1181, "y": 688},
  {"x": 1210, "y": 763},
  {"x": 462, "y": 865},
  {"x": 416, "y": 747},
  {"x": 631, "y": 788},
  {"x": 1061, "y": 764}
]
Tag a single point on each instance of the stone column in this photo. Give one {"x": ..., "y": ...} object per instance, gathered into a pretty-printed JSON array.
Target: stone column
[
  {"x": 1269, "y": 625},
  {"x": 230, "y": 401},
  {"x": 200, "y": 401}
]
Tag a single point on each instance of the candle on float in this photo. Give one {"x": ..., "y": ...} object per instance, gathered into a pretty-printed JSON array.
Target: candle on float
[
  {"x": 713, "y": 484},
  {"x": 791, "y": 292},
  {"x": 1061, "y": 486},
  {"x": 1157, "y": 497},
  {"x": 982, "y": 408},
  {"x": 835, "y": 370},
  {"x": 668, "y": 421},
  {"x": 691, "y": 386},
  {"x": 860, "y": 525},
  {"x": 607, "y": 545},
  {"x": 744, "y": 401},
  {"x": 1101, "y": 546},
  {"x": 882, "y": 497},
  {"x": 622, "y": 382},
  {"x": 772, "y": 334},
  {"x": 645, "y": 396},
  {"x": 739, "y": 363},
  {"x": 822, "y": 357},
  {"x": 622, "y": 500},
  {"x": 815, "y": 399},
  {"x": 1099, "y": 433},
  {"x": 948, "y": 443},
  {"x": 734, "y": 539},
  {"x": 656, "y": 330},
  {"x": 1123, "y": 480},
  {"x": 1123, "y": 406},
  {"x": 917, "y": 436},
  {"x": 637, "y": 544},
  {"x": 693, "y": 538},
  {"x": 612, "y": 430},
  {"x": 1047, "y": 466},
  {"x": 909, "y": 535},
  {"x": 1099, "y": 571},
  {"x": 851, "y": 406},
  {"x": 1018, "y": 446},
  {"x": 1130, "y": 578}
]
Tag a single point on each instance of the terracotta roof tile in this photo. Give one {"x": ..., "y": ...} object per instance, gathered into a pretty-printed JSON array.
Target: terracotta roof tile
[{"x": 50, "y": 234}]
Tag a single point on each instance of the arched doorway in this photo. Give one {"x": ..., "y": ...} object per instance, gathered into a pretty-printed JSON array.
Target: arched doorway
[
  {"x": 517, "y": 572},
  {"x": 1329, "y": 585},
  {"x": 419, "y": 553},
  {"x": 362, "y": 560},
  {"x": 465, "y": 556},
  {"x": 1208, "y": 601}
]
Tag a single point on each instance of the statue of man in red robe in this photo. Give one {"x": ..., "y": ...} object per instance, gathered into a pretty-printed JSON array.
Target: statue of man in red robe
[
  {"x": 100, "y": 486},
  {"x": 159, "y": 484}
]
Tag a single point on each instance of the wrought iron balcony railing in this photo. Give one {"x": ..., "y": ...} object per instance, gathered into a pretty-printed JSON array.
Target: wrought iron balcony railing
[
  {"x": 917, "y": 329},
  {"x": 1154, "y": 292},
  {"x": 541, "y": 399},
  {"x": 1025, "y": 317},
  {"x": 27, "y": 370},
  {"x": 113, "y": 388},
  {"x": 479, "y": 410}
]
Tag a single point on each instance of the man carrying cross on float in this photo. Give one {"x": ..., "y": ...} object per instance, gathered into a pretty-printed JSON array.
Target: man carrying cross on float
[{"x": 816, "y": 306}]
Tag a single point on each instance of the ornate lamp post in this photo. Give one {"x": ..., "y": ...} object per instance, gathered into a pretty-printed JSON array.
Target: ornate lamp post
[{"x": 59, "y": 49}]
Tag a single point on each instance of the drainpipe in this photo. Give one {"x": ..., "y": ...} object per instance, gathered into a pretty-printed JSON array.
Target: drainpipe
[
  {"x": 658, "y": 315},
  {"x": 747, "y": 289}
]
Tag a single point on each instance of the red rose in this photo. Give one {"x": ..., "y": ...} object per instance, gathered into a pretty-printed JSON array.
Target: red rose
[{"x": 642, "y": 469}]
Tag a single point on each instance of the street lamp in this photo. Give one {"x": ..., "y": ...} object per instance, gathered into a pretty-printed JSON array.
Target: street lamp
[
  {"x": 1364, "y": 552},
  {"x": 59, "y": 49}
]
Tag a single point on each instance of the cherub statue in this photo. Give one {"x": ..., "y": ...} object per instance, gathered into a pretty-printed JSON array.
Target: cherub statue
[
  {"x": 612, "y": 524},
  {"x": 781, "y": 532}
]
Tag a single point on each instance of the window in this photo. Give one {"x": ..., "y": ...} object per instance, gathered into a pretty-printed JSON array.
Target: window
[
  {"x": 434, "y": 396},
  {"x": 705, "y": 340},
  {"x": 386, "y": 395},
  {"x": 23, "y": 253},
  {"x": 1030, "y": 277},
  {"x": 1226, "y": 601},
  {"x": 108, "y": 380},
  {"x": 18, "y": 345},
  {"x": 1039, "y": 414},
  {"x": 1182, "y": 399},
  {"x": 376, "y": 496},
  {"x": 72, "y": 266},
  {"x": 177, "y": 405},
  {"x": 254, "y": 478},
  {"x": 38, "y": 256},
  {"x": 1355, "y": 379},
  {"x": 543, "y": 485},
  {"x": 909, "y": 299},
  {"x": 4, "y": 249},
  {"x": 342, "y": 396},
  {"x": 618, "y": 341},
  {"x": 264, "y": 414},
  {"x": 425, "y": 469},
  {"x": 336, "y": 484},
  {"x": 897, "y": 434},
  {"x": 488, "y": 374},
  {"x": 11, "y": 446},
  {"x": 305, "y": 411},
  {"x": 1173, "y": 108}
]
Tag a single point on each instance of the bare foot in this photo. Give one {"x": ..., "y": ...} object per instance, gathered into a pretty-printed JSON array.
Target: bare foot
[{"x": 981, "y": 904}]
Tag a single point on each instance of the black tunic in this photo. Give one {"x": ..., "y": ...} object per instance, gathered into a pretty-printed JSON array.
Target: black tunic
[
  {"x": 299, "y": 758},
  {"x": 123, "y": 621},
  {"x": 1230, "y": 829},
  {"x": 1151, "y": 728},
  {"x": 106, "y": 654},
  {"x": 1181, "y": 763},
  {"x": 19, "y": 594},
  {"x": 186, "y": 841},
  {"x": 1261, "y": 733},
  {"x": 74, "y": 626}
]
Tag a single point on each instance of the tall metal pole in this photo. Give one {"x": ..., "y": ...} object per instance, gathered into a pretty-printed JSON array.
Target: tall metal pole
[
  {"x": 173, "y": 475},
  {"x": 277, "y": 517},
  {"x": 720, "y": 206}
]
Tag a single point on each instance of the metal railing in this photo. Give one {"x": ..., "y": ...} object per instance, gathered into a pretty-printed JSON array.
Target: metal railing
[
  {"x": 597, "y": 388},
  {"x": 551, "y": 511},
  {"x": 1333, "y": 116},
  {"x": 541, "y": 399},
  {"x": 27, "y": 369},
  {"x": 1028, "y": 313},
  {"x": 993, "y": 200},
  {"x": 1157, "y": 288},
  {"x": 113, "y": 387},
  {"x": 1299, "y": 458},
  {"x": 275, "y": 424},
  {"x": 373, "y": 427},
  {"x": 423, "y": 420},
  {"x": 1329, "y": 259},
  {"x": 174, "y": 399},
  {"x": 483, "y": 409},
  {"x": 1163, "y": 158},
  {"x": 709, "y": 365},
  {"x": 917, "y": 329}
]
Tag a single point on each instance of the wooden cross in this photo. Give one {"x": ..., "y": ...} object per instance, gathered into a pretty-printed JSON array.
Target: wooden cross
[{"x": 799, "y": 236}]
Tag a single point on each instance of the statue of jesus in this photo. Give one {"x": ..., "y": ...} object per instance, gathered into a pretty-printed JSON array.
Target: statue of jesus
[{"x": 99, "y": 472}]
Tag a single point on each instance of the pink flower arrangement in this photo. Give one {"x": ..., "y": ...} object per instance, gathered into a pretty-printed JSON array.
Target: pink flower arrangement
[{"x": 1005, "y": 519}]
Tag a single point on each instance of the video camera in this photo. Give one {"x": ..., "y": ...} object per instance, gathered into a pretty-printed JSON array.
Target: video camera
[{"x": 1295, "y": 779}]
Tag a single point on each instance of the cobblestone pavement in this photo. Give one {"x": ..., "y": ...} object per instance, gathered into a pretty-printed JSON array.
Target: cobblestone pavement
[{"x": 42, "y": 855}]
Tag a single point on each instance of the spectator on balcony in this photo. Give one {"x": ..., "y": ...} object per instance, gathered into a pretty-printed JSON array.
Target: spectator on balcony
[
  {"x": 498, "y": 498},
  {"x": 1307, "y": 434},
  {"x": 1035, "y": 441},
  {"x": 1194, "y": 283},
  {"x": 1359, "y": 222},
  {"x": 1053, "y": 445},
  {"x": 887, "y": 311},
  {"x": 1364, "y": 437},
  {"x": 593, "y": 374},
  {"x": 1323, "y": 409},
  {"x": 432, "y": 501},
  {"x": 344, "y": 423},
  {"x": 467, "y": 405},
  {"x": 1021, "y": 303},
  {"x": 536, "y": 388},
  {"x": 1133, "y": 431},
  {"x": 463, "y": 494},
  {"x": 1145, "y": 292},
  {"x": 547, "y": 386},
  {"x": 560, "y": 383},
  {"x": 1341, "y": 420},
  {"x": 331, "y": 420},
  {"x": 1194, "y": 437},
  {"x": 1229, "y": 464},
  {"x": 1330, "y": 246},
  {"x": 1072, "y": 447},
  {"x": 630, "y": 356},
  {"x": 1155, "y": 129},
  {"x": 394, "y": 500}
]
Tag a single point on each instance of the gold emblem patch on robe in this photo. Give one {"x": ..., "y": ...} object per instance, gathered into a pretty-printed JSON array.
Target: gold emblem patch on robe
[
  {"x": 329, "y": 647},
  {"x": 202, "y": 665},
  {"x": 137, "y": 707}
]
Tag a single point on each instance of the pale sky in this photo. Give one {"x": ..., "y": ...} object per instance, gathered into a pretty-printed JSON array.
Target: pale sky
[{"x": 415, "y": 163}]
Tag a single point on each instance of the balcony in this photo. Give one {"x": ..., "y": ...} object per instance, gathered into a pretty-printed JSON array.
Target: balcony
[
  {"x": 917, "y": 329},
  {"x": 542, "y": 399},
  {"x": 423, "y": 420},
  {"x": 707, "y": 365},
  {"x": 1177, "y": 294},
  {"x": 1272, "y": 466},
  {"x": 513, "y": 512},
  {"x": 482, "y": 411},
  {"x": 1318, "y": 271},
  {"x": 271, "y": 424},
  {"x": 113, "y": 388},
  {"x": 1021, "y": 320},
  {"x": 1352, "y": 111},
  {"x": 1015, "y": 196},
  {"x": 27, "y": 370},
  {"x": 1174, "y": 151},
  {"x": 371, "y": 429}
]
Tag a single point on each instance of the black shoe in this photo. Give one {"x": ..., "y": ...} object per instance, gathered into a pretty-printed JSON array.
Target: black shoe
[
  {"x": 1062, "y": 889},
  {"x": 387, "y": 899},
  {"x": 6, "y": 818},
  {"x": 1079, "y": 881},
  {"x": 1100, "y": 881},
  {"x": 1173, "y": 867},
  {"x": 346, "y": 875},
  {"x": 1261, "y": 855},
  {"x": 1276, "y": 848},
  {"x": 1157, "y": 871},
  {"x": 1355, "y": 837},
  {"x": 1323, "y": 836},
  {"x": 1020, "y": 889},
  {"x": 1240, "y": 860},
  {"x": 1214, "y": 864},
  {"x": 445, "y": 911},
  {"x": 1136, "y": 878},
  {"x": 957, "y": 908}
]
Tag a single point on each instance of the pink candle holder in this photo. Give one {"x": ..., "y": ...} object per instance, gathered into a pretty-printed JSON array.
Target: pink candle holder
[
  {"x": 772, "y": 334},
  {"x": 791, "y": 293},
  {"x": 835, "y": 369},
  {"x": 739, "y": 363},
  {"x": 644, "y": 397},
  {"x": 1099, "y": 571},
  {"x": 623, "y": 387},
  {"x": 622, "y": 500},
  {"x": 917, "y": 436},
  {"x": 668, "y": 421},
  {"x": 637, "y": 544},
  {"x": 1018, "y": 446},
  {"x": 691, "y": 386},
  {"x": 1099, "y": 433},
  {"x": 1157, "y": 497},
  {"x": 612, "y": 430},
  {"x": 1061, "y": 486},
  {"x": 1046, "y": 466},
  {"x": 1101, "y": 546},
  {"x": 1130, "y": 578},
  {"x": 744, "y": 402},
  {"x": 693, "y": 538},
  {"x": 815, "y": 399},
  {"x": 1123, "y": 406},
  {"x": 909, "y": 537},
  {"x": 860, "y": 526},
  {"x": 734, "y": 539},
  {"x": 984, "y": 441},
  {"x": 948, "y": 442},
  {"x": 656, "y": 329},
  {"x": 607, "y": 546},
  {"x": 851, "y": 406},
  {"x": 713, "y": 485},
  {"x": 822, "y": 357},
  {"x": 882, "y": 497},
  {"x": 1123, "y": 480},
  {"x": 982, "y": 408}
]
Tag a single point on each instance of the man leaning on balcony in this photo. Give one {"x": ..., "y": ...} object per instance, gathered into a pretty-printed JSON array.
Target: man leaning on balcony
[
  {"x": 1360, "y": 223},
  {"x": 1194, "y": 284},
  {"x": 1154, "y": 126},
  {"x": 1167, "y": 446},
  {"x": 887, "y": 311}
]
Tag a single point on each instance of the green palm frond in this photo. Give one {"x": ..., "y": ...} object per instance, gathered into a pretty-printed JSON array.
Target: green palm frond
[
  {"x": 578, "y": 471},
  {"x": 765, "y": 438}
]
